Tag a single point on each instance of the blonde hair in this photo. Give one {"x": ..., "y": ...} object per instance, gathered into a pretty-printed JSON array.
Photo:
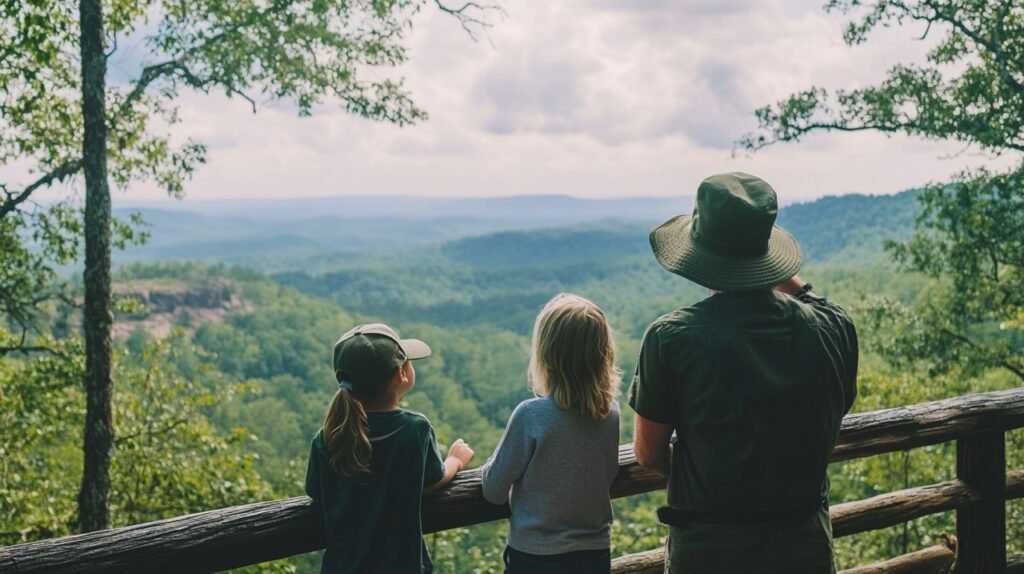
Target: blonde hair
[{"x": 573, "y": 356}]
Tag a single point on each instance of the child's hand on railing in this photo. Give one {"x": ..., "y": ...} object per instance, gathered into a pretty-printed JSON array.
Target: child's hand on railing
[{"x": 461, "y": 452}]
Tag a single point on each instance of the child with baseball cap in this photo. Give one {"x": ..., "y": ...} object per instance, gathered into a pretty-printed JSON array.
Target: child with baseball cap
[{"x": 371, "y": 462}]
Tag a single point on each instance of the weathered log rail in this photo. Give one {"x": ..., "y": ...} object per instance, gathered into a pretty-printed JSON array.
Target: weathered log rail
[{"x": 253, "y": 533}]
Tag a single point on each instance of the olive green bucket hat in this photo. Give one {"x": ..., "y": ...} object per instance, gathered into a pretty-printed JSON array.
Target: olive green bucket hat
[{"x": 730, "y": 242}]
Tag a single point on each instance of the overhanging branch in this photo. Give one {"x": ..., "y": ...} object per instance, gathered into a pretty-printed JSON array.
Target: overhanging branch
[
  {"x": 62, "y": 172},
  {"x": 796, "y": 132},
  {"x": 993, "y": 47},
  {"x": 1003, "y": 362}
]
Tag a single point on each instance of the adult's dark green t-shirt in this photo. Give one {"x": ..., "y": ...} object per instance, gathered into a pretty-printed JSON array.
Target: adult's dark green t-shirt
[
  {"x": 373, "y": 524},
  {"x": 755, "y": 384}
]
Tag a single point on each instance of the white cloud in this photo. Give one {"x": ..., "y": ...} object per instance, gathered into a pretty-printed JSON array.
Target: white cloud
[{"x": 585, "y": 97}]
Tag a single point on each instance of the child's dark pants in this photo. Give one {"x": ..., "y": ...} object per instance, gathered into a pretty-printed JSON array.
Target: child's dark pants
[{"x": 579, "y": 562}]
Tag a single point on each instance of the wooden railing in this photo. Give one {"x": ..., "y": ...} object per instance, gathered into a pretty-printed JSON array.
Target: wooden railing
[{"x": 253, "y": 533}]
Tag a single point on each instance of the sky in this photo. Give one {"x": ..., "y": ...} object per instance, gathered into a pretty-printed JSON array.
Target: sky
[{"x": 590, "y": 98}]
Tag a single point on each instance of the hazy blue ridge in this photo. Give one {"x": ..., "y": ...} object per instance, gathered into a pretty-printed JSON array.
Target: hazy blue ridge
[
  {"x": 849, "y": 228},
  {"x": 324, "y": 235},
  {"x": 545, "y": 209}
]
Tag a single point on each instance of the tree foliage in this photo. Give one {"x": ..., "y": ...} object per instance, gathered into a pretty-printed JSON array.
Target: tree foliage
[
  {"x": 970, "y": 240},
  {"x": 169, "y": 459},
  {"x": 970, "y": 88},
  {"x": 968, "y": 236}
]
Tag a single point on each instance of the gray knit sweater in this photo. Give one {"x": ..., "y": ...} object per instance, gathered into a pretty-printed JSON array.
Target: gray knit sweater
[{"x": 555, "y": 468}]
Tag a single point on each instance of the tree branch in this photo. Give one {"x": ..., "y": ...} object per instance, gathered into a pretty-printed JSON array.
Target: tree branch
[
  {"x": 989, "y": 45},
  {"x": 796, "y": 132},
  {"x": 467, "y": 19},
  {"x": 1002, "y": 362},
  {"x": 26, "y": 349},
  {"x": 62, "y": 172},
  {"x": 149, "y": 433}
]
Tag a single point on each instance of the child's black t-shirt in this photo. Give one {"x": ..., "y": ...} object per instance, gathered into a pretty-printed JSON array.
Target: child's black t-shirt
[{"x": 372, "y": 524}]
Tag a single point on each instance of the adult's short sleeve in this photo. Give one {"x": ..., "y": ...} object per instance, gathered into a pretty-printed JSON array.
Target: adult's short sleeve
[
  {"x": 433, "y": 464},
  {"x": 650, "y": 393},
  {"x": 842, "y": 335}
]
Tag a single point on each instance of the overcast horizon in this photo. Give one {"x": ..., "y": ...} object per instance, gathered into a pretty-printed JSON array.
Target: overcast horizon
[
  {"x": 586, "y": 98},
  {"x": 127, "y": 201}
]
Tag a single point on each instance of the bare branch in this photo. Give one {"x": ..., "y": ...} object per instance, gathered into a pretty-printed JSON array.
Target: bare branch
[
  {"x": 1003, "y": 362},
  {"x": 113, "y": 47},
  {"x": 242, "y": 95},
  {"x": 954, "y": 155},
  {"x": 472, "y": 15},
  {"x": 24, "y": 349},
  {"x": 927, "y": 29},
  {"x": 27, "y": 349},
  {"x": 62, "y": 172},
  {"x": 148, "y": 433}
]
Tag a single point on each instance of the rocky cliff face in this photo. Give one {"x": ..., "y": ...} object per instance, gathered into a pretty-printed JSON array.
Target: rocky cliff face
[
  {"x": 171, "y": 298},
  {"x": 164, "y": 306}
]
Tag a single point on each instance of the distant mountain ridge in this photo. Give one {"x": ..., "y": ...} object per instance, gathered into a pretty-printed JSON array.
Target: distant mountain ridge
[
  {"x": 543, "y": 209},
  {"x": 322, "y": 234},
  {"x": 848, "y": 229}
]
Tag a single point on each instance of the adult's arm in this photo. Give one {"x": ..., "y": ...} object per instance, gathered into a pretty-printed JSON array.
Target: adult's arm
[
  {"x": 651, "y": 444},
  {"x": 791, "y": 286},
  {"x": 652, "y": 399}
]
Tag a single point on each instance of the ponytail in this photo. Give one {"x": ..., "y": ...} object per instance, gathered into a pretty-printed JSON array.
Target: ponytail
[{"x": 348, "y": 446}]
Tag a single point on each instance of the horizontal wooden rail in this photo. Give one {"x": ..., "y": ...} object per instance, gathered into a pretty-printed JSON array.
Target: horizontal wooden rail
[
  {"x": 253, "y": 533},
  {"x": 936, "y": 559},
  {"x": 1015, "y": 564},
  {"x": 898, "y": 507},
  {"x": 901, "y": 428},
  {"x": 933, "y": 560}
]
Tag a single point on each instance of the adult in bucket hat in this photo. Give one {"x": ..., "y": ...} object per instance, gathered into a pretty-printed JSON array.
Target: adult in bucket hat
[{"x": 739, "y": 397}]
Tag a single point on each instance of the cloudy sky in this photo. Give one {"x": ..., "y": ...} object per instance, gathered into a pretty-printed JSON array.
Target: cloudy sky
[{"x": 592, "y": 98}]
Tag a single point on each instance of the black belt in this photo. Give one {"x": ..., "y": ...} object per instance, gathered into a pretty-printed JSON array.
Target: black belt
[{"x": 680, "y": 518}]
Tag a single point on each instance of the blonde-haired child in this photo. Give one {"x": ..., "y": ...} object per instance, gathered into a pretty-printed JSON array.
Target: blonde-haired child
[
  {"x": 559, "y": 454},
  {"x": 371, "y": 461}
]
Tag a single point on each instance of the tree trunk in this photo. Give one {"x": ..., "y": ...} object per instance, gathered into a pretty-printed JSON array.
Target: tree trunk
[{"x": 93, "y": 512}]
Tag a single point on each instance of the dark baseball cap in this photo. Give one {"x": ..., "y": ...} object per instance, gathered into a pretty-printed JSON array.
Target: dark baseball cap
[{"x": 369, "y": 354}]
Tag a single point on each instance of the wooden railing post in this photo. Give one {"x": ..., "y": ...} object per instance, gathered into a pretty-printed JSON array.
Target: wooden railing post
[{"x": 981, "y": 527}]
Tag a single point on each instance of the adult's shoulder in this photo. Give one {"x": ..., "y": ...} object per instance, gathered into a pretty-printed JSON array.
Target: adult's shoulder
[
  {"x": 825, "y": 309},
  {"x": 676, "y": 322}
]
